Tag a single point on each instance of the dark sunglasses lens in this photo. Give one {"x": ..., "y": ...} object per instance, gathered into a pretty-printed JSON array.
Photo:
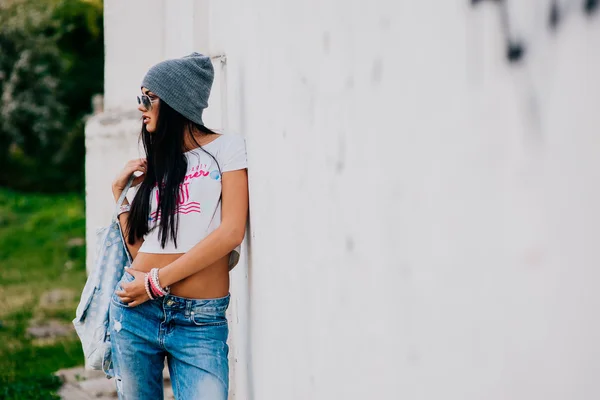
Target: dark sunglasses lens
[
  {"x": 147, "y": 102},
  {"x": 138, "y": 99}
]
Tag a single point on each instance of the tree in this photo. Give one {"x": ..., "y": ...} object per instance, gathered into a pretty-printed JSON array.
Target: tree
[{"x": 51, "y": 63}]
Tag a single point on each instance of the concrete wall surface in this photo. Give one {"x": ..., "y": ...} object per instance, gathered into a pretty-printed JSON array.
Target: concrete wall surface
[{"x": 424, "y": 214}]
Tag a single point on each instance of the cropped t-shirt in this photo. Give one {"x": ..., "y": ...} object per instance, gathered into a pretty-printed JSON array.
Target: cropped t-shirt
[{"x": 199, "y": 207}]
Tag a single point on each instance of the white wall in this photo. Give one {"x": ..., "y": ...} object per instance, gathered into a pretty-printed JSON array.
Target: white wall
[{"x": 423, "y": 214}]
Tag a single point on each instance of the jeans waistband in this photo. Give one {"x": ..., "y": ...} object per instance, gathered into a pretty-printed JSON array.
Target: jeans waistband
[{"x": 177, "y": 302}]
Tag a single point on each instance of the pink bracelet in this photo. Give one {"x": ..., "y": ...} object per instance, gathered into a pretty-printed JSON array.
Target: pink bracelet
[
  {"x": 147, "y": 285},
  {"x": 155, "y": 285},
  {"x": 155, "y": 292}
]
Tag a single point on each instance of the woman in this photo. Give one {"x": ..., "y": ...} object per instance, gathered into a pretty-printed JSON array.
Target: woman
[{"x": 183, "y": 236}]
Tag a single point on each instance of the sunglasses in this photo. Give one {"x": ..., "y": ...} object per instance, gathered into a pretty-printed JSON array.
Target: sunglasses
[{"x": 146, "y": 101}]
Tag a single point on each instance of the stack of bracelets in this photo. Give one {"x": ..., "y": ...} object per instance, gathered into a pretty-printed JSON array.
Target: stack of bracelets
[{"x": 153, "y": 288}]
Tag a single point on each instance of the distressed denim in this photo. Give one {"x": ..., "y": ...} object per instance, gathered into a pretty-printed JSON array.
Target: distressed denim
[{"x": 190, "y": 333}]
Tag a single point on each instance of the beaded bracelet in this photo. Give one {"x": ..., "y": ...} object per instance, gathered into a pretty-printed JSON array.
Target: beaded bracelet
[
  {"x": 147, "y": 285},
  {"x": 153, "y": 288},
  {"x": 158, "y": 287},
  {"x": 155, "y": 284},
  {"x": 154, "y": 292}
]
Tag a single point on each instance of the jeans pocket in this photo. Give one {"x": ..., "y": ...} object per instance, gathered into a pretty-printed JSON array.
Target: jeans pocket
[
  {"x": 117, "y": 300},
  {"x": 126, "y": 278},
  {"x": 208, "y": 318}
]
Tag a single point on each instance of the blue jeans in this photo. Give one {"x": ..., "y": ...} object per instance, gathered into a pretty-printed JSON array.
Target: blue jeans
[{"x": 190, "y": 333}]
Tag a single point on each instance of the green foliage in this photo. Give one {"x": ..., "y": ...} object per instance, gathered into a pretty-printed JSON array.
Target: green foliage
[
  {"x": 51, "y": 63},
  {"x": 38, "y": 254},
  {"x": 36, "y": 387}
]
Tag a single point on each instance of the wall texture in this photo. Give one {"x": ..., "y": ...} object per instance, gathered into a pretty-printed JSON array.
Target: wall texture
[{"x": 423, "y": 213}]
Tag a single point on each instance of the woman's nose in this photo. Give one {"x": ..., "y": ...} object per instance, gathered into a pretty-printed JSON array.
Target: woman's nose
[{"x": 141, "y": 107}]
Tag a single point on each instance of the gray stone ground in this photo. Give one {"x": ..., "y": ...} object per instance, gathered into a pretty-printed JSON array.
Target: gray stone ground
[{"x": 82, "y": 384}]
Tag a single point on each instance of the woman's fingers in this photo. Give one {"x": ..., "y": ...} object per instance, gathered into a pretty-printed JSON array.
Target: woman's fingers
[
  {"x": 124, "y": 296},
  {"x": 133, "y": 293}
]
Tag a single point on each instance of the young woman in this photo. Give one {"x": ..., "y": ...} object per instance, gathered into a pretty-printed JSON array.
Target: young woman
[{"x": 183, "y": 230}]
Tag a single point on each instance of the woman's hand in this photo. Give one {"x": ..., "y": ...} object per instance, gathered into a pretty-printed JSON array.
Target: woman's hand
[
  {"x": 137, "y": 164},
  {"x": 134, "y": 292}
]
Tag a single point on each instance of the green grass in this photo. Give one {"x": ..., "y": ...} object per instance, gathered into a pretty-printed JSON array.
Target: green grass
[{"x": 34, "y": 258}]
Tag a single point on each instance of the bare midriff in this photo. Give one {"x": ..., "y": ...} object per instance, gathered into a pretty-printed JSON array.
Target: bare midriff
[{"x": 210, "y": 282}]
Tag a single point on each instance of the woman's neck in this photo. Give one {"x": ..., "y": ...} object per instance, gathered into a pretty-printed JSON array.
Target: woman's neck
[{"x": 200, "y": 137}]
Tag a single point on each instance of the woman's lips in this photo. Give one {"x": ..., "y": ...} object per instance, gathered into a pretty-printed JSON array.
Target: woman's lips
[{"x": 146, "y": 120}]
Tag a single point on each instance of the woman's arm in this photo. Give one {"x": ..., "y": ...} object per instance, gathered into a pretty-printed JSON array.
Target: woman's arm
[
  {"x": 139, "y": 165},
  {"x": 220, "y": 242},
  {"x": 133, "y": 248}
]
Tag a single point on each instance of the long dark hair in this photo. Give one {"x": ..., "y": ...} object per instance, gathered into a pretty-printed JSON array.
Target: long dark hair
[{"x": 167, "y": 163}]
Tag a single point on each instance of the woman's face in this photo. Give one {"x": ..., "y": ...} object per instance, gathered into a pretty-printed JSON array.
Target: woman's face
[{"x": 150, "y": 117}]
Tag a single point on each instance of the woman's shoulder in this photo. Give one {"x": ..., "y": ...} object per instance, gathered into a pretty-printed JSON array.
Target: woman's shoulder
[
  {"x": 229, "y": 138},
  {"x": 232, "y": 151},
  {"x": 227, "y": 142},
  {"x": 222, "y": 139}
]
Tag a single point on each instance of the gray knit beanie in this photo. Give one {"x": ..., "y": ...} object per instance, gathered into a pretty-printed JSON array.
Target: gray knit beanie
[{"x": 183, "y": 83}]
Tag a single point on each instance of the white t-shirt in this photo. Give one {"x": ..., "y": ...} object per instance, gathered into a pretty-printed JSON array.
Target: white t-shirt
[{"x": 198, "y": 198}]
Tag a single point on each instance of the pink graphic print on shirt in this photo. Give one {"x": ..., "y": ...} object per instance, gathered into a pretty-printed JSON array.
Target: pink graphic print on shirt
[{"x": 184, "y": 205}]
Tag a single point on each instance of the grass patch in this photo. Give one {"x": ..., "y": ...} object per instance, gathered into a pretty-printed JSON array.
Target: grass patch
[{"x": 37, "y": 256}]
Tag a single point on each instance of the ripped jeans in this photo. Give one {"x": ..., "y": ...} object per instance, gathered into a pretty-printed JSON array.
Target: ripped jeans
[{"x": 190, "y": 333}]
